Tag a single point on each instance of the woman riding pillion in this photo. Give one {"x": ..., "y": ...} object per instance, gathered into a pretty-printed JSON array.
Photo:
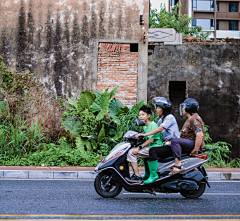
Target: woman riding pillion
[
  {"x": 168, "y": 127},
  {"x": 192, "y": 135}
]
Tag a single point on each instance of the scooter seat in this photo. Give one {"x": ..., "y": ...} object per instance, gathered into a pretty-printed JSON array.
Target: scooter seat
[{"x": 165, "y": 160}]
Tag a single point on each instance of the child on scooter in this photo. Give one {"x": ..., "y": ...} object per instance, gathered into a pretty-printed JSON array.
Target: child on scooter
[
  {"x": 168, "y": 127},
  {"x": 142, "y": 151}
]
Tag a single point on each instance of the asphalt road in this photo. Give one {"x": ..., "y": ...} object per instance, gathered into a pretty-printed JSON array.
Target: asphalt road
[{"x": 78, "y": 199}]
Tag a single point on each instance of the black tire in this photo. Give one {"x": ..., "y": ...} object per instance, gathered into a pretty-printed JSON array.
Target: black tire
[
  {"x": 194, "y": 194},
  {"x": 109, "y": 191}
]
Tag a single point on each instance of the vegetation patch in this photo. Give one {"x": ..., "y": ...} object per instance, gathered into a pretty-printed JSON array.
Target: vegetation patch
[
  {"x": 91, "y": 126},
  {"x": 175, "y": 20}
]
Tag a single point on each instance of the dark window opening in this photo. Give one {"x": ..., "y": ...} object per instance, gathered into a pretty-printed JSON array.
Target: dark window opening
[
  {"x": 233, "y": 6},
  {"x": 212, "y": 5},
  {"x": 174, "y": 2},
  {"x": 177, "y": 92},
  {"x": 133, "y": 47},
  {"x": 217, "y": 6},
  {"x": 151, "y": 49},
  {"x": 233, "y": 25},
  {"x": 212, "y": 23},
  {"x": 217, "y": 25}
]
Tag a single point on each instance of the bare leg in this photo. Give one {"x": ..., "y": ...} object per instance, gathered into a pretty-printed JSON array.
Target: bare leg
[
  {"x": 177, "y": 168},
  {"x": 135, "y": 168},
  {"x": 177, "y": 162}
]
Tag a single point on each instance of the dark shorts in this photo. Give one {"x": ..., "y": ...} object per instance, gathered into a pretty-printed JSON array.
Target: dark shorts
[{"x": 160, "y": 152}]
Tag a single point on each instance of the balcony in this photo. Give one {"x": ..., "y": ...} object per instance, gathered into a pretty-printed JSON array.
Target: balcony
[
  {"x": 228, "y": 15},
  {"x": 203, "y": 14},
  {"x": 223, "y": 34},
  {"x": 228, "y": 34}
]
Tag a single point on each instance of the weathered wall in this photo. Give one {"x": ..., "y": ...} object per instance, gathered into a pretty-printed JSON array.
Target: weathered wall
[
  {"x": 117, "y": 66},
  {"x": 56, "y": 39},
  {"x": 212, "y": 75}
]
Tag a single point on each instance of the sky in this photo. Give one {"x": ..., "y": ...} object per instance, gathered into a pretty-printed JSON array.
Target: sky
[{"x": 156, "y": 3}]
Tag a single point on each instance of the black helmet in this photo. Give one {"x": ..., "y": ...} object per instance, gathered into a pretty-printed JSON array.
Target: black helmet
[
  {"x": 164, "y": 103},
  {"x": 191, "y": 106}
]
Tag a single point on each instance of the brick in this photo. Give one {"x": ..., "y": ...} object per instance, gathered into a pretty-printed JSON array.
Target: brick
[{"x": 118, "y": 69}]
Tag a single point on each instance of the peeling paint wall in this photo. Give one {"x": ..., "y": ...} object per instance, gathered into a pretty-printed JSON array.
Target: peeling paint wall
[
  {"x": 56, "y": 39},
  {"x": 212, "y": 75}
]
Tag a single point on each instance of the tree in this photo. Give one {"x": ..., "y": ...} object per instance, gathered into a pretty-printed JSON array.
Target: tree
[{"x": 173, "y": 19}]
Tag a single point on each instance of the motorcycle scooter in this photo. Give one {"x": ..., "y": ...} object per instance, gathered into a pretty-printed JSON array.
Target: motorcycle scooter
[{"x": 113, "y": 170}]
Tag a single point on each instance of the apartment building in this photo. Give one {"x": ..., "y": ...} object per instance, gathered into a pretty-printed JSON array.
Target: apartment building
[{"x": 223, "y": 22}]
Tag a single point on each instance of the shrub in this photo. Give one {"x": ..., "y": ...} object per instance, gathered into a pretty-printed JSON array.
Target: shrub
[{"x": 219, "y": 157}]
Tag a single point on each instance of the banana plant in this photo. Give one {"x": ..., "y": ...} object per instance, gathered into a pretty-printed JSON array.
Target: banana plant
[
  {"x": 97, "y": 118},
  {"x": 96, "y": 105}
]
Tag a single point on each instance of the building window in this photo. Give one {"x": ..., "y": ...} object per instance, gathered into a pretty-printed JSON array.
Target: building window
[
  {"x": 174, "y": 2},
  {"x": 233, "y": 7},
  {"x": 217, "y": 24},
  {"x": 233, "y": 25},
  {"x": 194, "y": 5},
  {"x": 177, "y": 92},
  {"x": 217, "y": 6},
  {"x": 206, "y": 24},
  {"x": 202, "y": 5},
  {"x": 212, "y": 24},
  {"x": 194, "y": 22}
]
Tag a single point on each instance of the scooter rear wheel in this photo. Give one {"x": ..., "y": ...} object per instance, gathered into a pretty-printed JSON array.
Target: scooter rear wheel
[
  {"x": 194, "y": 194},
  {"x": 106, "y": 185}
]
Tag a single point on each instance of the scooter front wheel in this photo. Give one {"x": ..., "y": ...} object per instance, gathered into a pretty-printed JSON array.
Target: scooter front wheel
[
  {"x": 106, "y": 185},
  {"x": 194, "y": 194}
]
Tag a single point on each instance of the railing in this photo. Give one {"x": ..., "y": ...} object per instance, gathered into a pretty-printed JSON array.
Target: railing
[
  {"x": 224, "y": 34},
  {"x": 228, "y": 34}
]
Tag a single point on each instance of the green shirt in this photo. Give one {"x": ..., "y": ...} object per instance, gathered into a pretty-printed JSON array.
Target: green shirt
[{"x": 157, "y": 140}]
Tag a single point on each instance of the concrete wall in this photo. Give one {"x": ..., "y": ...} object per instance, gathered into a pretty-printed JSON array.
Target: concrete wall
[
  {"x": 58, "y": 40},
  {"x": 212, "y": 74}
]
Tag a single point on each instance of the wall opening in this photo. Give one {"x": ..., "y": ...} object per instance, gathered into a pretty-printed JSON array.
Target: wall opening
[
  {"x": 133, "y": 47},
  {"x": 177, "y": 92}
]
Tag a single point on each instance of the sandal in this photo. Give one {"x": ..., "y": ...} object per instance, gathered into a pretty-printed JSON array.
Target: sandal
[{"x": 179, "y": 169}]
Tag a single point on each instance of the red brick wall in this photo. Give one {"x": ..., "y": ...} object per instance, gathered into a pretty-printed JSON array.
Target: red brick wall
[{"x": 117, "y": 66}]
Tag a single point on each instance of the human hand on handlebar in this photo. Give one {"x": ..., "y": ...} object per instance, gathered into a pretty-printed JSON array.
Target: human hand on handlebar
[{"x": 139, "y": 135}]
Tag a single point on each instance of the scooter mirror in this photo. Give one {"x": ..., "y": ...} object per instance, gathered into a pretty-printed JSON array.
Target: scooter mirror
[
  {"x": 136, "y": 122},
  {"x": 141, "y": 123}
]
